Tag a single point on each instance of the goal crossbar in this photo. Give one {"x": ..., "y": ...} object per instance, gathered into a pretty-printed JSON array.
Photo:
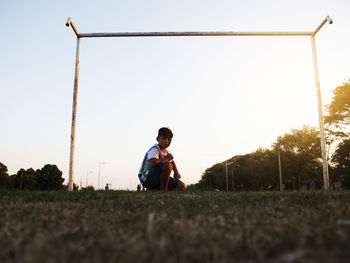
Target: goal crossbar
[{"x": 188, "y": 34}]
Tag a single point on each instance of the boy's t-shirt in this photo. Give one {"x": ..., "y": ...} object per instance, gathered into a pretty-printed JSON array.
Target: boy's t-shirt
[{"x": 153, "y": 152}]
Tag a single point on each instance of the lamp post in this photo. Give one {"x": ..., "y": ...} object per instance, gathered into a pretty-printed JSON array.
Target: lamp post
[
  {"x": 280, "y": 170},
  {"x": 87, "y": 177},
  {"x": 233, "y": 180},
  {"x": 99, "y": 172},
  {"x": 227, "y": 175}
]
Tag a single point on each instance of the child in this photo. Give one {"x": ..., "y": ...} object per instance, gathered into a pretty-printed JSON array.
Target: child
[{"x": 158, "y": 164}]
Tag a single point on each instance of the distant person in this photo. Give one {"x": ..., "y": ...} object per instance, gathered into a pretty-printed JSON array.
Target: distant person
[
  {"x": 107, "y": 187},
  {"x": 138, "y": 187},
  {"x": 158, "y": 164}
]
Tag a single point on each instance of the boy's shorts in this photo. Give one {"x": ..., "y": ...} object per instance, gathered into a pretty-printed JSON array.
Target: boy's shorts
[{"x": 153, "y": 178}]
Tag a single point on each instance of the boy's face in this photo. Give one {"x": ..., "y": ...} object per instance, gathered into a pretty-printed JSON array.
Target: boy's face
[{"x": 163, "y": 141}]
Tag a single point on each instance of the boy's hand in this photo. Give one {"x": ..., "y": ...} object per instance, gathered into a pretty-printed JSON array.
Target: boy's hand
[
  {"x": 177, "y": 175},
  {"x": 169, "y": 157}
]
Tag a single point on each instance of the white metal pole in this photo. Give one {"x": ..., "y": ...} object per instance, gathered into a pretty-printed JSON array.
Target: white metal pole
[
  {"x": 87, "y": 178},
  {"x": 280, "y": 170},
  {"x": 99, "y": 173},
  {"x": 320, "y": 116},
  {"x": 233, "y": 180},
  {"x": 99, "y": 170},
  {"x": 75, "y": 98},
  {"x": 226, "y": 178}
]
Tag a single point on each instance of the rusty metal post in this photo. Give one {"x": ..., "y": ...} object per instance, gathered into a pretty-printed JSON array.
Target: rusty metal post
[
  {"x": 74, "y": 111},
  {"x": 74, "y": 114},
  {"x": 226, "y": 178},
  {"x": 320, "y": 117},
  {"x": 326, "y": 182},
  {"x": 280, "y": 170}
]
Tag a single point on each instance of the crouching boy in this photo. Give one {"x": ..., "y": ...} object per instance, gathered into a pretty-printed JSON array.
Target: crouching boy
[{"x": 158, "y": 164}]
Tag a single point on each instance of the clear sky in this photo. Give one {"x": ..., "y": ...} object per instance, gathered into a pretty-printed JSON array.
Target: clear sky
[{"x": 221, "y": 96}]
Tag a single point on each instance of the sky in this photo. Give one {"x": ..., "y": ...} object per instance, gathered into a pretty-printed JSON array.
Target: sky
[{"x": 221, "y": 96}]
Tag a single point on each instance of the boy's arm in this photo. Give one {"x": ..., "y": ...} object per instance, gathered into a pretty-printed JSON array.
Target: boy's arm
[
  {"x": 176, "y": 172},
  {"x": 155, "y": 162}
]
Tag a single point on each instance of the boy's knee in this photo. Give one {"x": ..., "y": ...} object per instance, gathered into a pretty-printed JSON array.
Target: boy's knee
[
  {"x": 181, "y": 186},
  {"x": 168, "y": 166}
]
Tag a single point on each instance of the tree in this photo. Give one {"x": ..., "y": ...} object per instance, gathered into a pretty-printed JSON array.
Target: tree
[
  {"x": 88, "y": 188},
  {"x": 254, "y": 171},
  {"x": 75, "y": 187},
  {"x": 50, "y": 178},
  {"x": 341, "y": 160},
  {"x": 213, "y": 177},
  {"x": 300, "y": 151},
  {"x": 338, "y": 118},
  {"x": 4, "y": 177},
  {"x": 338, "y": 130},
  {"x": 264, "y": 166},
  {"x": 25, "y": 179}
]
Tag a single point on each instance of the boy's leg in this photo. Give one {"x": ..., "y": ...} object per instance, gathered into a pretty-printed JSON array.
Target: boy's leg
[
  {"x": 181, "y": 186},
  {"x": 176, "y": 185},
  {"x": 164, "y": 176}
]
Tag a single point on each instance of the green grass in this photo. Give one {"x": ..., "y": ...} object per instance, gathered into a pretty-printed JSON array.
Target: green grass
[{"x": 119, "y": 226}]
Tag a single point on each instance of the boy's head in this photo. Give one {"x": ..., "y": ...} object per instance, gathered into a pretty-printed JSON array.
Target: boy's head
[{"x": 164, "y": 137}]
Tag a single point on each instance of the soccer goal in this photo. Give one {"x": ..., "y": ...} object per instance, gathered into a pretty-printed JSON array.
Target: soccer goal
[{"x": 311, "y": 34}]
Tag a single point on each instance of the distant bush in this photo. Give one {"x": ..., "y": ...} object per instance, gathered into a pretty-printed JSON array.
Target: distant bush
[
  {"x": 5, "y": 180},
  {"x": 88, "y": 188},
  {"x": 50, "y": 178},
  {"x": 47, "y": 178}
]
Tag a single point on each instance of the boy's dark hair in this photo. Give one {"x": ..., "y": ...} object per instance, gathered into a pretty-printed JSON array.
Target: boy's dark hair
[{"x": 165, "y": 132}]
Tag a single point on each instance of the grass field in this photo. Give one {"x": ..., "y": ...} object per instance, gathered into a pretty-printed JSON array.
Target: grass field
[{"x": 116, "y": 226}]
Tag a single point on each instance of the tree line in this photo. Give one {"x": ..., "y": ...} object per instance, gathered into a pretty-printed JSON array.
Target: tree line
[
  {"x": 47, "y": 178},
  {"x": 300, "y": 157}
]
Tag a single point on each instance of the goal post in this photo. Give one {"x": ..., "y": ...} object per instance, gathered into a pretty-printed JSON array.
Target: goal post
[{"x": 311, "y": 34}]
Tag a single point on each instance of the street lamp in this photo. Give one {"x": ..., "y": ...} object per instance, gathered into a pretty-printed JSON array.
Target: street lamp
[
  {"x": 87, "y": 177},
  {"x": 227, "y": 175},
  {"x": 99, "y": 172},
  {"x": 233, "y": 181},
  {"x": 280, "y": 170}
]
